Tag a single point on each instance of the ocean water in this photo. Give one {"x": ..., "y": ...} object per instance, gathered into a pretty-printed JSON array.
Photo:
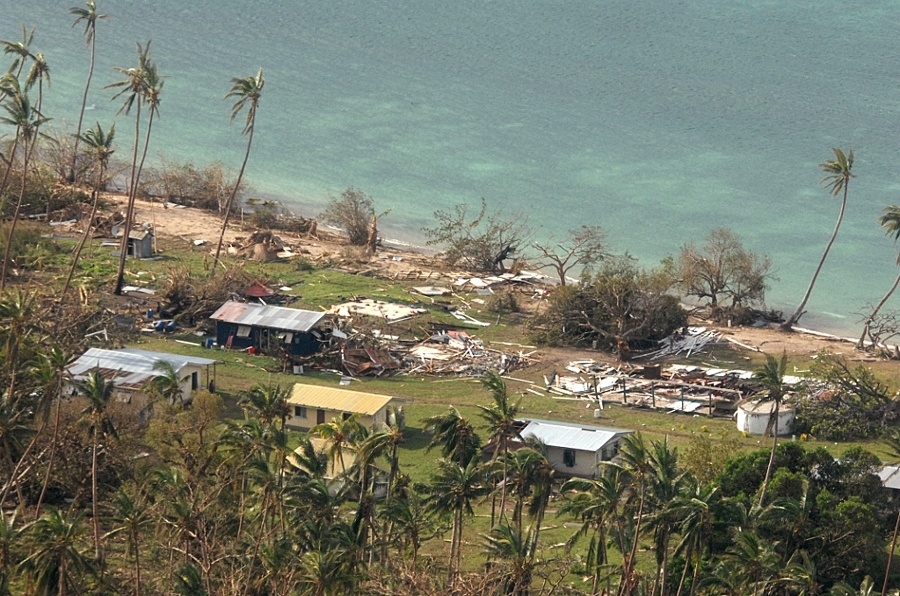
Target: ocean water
[{"x": 656, "y": 119}]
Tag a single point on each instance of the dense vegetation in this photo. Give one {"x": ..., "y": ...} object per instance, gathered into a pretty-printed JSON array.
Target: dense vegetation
[{"x": 218, "y": 497}]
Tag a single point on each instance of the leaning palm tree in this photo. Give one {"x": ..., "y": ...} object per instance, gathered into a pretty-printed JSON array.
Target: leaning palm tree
[
  {"x": 340, "y": 434},
  {"x": 100, "y": 145},
  {"x": 501, "y": 419},
  {"x": 890, "y": 223},
  {"x": 838, "y": 172},
  {"x": 133, "y": 89},
  {"x": 771, "y": 375},
  {"x": 246, "y": 92},
  {"x": 20, "y": 49},
  {"x": 455, "y": 435},
  {"x": 27, "y": 120},
  {"x": 87, "y": 15}
]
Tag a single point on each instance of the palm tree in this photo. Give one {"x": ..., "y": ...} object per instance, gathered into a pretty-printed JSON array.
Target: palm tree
[
  {"x": 838, "y": 172},
  {"x": 15, "y": 431},
  {"x": 695, "y": 528},
  {"x": 518, "y": 548},
  {"x": 134, "y": 89},
  {"x": 596, "y": 502},
  {"x": 132, "y": 516},
  {"x": 340, "y": 434},
  {"x": 771, "y": 375},
  {"x": 52, "y": 364},
  {"x": 268, "y": 403},
  {"x": 457, "y": 437},
  {"x": 56, "y": 563},
  {"x": 665, "y": 485},
  {"x": 246, "y": 92},
  {"x": 452, "y": 491},
  {"x": 87, "y": 15},
  {"x": 635, "y": 463},
  {"x": 100, "y": 146},
  {"x": 20, "y": 49},
  {"x": 890, "y": 223},
  {"x": 501, "y": 419},
  {"x": 98, "y": 392},
  {"x": 167, "y": 383},
  {"x": 27, "y": 121}
]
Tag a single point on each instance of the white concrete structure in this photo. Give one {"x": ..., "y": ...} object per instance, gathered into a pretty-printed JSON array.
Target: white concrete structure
[
  {"x": 575, "y": 449},
  {"x": 753, "y": 417}
]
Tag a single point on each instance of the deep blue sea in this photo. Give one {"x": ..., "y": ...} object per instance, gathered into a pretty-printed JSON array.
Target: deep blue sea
[{"x": 656, "y": 119}]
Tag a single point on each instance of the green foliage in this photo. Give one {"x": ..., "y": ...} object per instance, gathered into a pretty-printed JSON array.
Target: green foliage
[
  {"x": 727, "y": 278},
  {"x": 854, "y": 404},
  {"x": 29, "y": 247},
  {"x": 502, "y": 303},
  {"x": 621, "y": 308}
]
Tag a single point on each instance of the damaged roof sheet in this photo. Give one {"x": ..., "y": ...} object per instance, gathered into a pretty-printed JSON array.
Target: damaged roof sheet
[
  {"x": 130, "y": 367},
  {"x": 273, "y": 317},
  {"x": 570, "y": 436}
]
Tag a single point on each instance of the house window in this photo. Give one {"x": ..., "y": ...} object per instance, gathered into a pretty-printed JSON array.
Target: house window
[
  {"x": 299, "y": 411},
  {"x": 569, "y": 458},
  {"x": 243, "y": 331}
]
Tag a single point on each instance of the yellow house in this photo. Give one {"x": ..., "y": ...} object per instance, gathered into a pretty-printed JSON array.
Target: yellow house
[{"x": 311, "y": 405}]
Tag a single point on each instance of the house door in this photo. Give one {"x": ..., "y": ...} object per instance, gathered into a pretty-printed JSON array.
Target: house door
[{"x": 320, "y": 416}]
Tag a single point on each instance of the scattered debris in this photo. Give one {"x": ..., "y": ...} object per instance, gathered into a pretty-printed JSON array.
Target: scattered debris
[{"x": 389, "y": 311}]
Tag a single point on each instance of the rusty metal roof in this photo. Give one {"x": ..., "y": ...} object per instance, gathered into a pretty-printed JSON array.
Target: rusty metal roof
[
  {"x": 342, "y": 400},
  {"x": 273, "y": 317}
]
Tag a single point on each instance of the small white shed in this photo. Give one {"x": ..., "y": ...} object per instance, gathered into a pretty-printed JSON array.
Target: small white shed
[{"x": 753, "y": 417}]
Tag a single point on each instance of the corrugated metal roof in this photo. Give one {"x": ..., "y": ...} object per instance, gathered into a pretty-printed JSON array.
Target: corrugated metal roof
[
  {"x": 343, "y": 400},
  {"x": 129, "y": 366},
  {"x": 273, "y": 317},
  {"x": 890, "y": 477},
  {"x": 570, "y": 436}
]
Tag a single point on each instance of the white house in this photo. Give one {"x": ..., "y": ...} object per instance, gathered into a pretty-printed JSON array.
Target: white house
[
  {"x": 575, "y": 449},
  {"x": 753, "y": 417},
  {"x": 131, "y": 371}
]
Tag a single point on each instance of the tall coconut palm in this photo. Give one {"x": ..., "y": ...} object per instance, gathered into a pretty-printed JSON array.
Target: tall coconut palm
[
  {"x": 890, "y": 223},
  {"x": 268, "y": 403},
  {"x": 596, "y": 502},
  {"x": 665, "y": 484},
  {"x": 132, "y": 516},
  {"x": 246, "y": 92},
  {"x": 133, "y": 88},
  {"x": 771, "y": 375},
  {"x": 27, "y": 120},
  {"x": 501, "y": 419},
  {"x": 453, "y": 490},
  {"x": 52, "y": 363},
  {"x": 838, "y": 172},
  {"x": 695, "y": 528},
  {"x": 89, "y": 16},
  {"x": 56, "y": 564},
  {"x": 100, "y": 146},
  {"x": 635, "y": 462},
  {"x": 99, "y": 393}
]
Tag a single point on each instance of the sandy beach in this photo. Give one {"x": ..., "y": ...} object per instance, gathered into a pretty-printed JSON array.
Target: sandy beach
[{"x": 176, "y": 224}]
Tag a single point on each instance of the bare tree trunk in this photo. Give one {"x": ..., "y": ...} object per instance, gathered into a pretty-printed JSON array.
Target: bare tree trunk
[
  {"x": 84, "y": 96},
  {"x": 129, "y": 210},
  {"x": 789, "y": 324},
  {"x": 861, "y": 344},
  {"x": 230, "y": 203},
  {"x": 765, "y": 485}
]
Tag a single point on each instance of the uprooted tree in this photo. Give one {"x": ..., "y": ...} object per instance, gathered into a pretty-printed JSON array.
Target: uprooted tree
[
  {"x": 481, "y": 243},
  {"x": 728, "y": 279},
  {"x": 621, "y": 307},
  {"x": 584, "y": 248}
]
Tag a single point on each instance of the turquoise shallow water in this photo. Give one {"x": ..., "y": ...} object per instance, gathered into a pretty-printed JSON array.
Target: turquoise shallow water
[{"x": 658, "y": 120}]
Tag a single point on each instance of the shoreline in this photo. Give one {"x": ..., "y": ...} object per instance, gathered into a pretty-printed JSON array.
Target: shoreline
[{"x": 187, "y": 224}]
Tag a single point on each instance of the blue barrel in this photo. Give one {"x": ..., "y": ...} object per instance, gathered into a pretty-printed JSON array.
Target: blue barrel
[
  {"x": 149, "y": 313},
  {"x": 209, "y": 342},
  {"x": 170, "y": 326}
]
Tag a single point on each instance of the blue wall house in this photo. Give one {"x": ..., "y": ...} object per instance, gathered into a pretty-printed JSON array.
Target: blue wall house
[{"x": 268, "y": 329}]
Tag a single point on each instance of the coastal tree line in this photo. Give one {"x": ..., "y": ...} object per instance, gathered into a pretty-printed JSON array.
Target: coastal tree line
[{"x": 96, "y": 499}]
